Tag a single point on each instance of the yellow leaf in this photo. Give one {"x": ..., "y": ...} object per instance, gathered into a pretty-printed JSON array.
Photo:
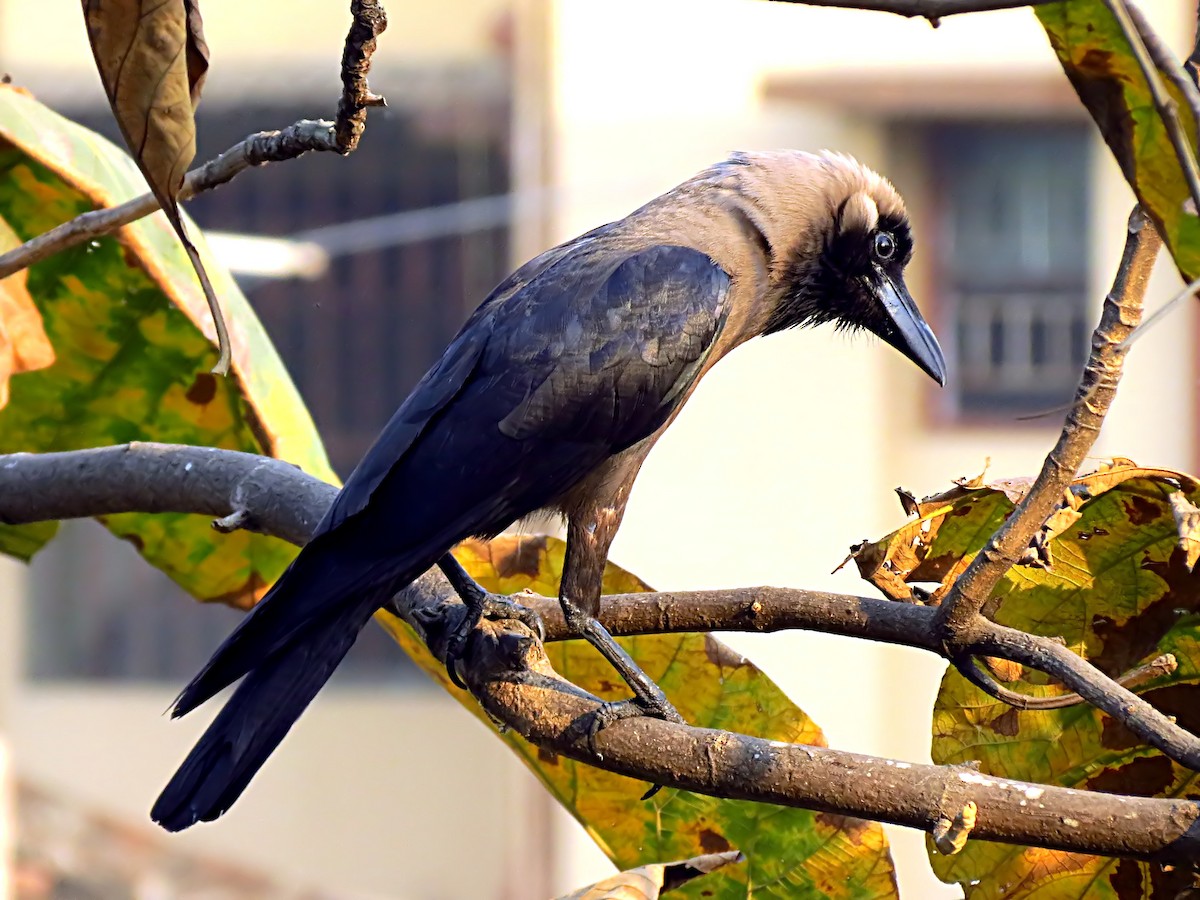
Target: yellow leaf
[{"x": 24, "y": 346}]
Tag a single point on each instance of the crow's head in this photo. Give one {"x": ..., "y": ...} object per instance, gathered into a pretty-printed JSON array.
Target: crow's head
[{"x": 839, "y": 239}]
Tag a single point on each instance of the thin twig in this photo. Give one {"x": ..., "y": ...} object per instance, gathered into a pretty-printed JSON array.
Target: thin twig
[
  {"x": 1160, "y": 314},
  {"x": 1164, "y": 103},
  {"x": 263, "y": 147},
  {"x": 1165, "y": 61},
  {"x": 1158, "y": 667},
  {"x": 1077, "y": 674},
  {"x": 255, "y": 150},
  {"x": 959, "y": 621},
  {"x": 369, "y": 22}
]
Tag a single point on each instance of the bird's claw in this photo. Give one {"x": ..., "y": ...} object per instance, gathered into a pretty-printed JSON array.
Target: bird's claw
[
  {"x": 455, "y": 645},
  {"x": 614, "y": 711},
  {"x": 496, "y": 608}
]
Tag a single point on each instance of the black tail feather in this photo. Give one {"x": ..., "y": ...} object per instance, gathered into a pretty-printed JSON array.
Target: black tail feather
[
  {"x": 256, "y": 718},
  {"x": 308, "y": 594}
]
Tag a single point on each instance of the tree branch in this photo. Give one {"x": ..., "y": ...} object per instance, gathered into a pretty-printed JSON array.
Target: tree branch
[
  {"x": 278, "y": 499},
  {"x": 307, "y": 135},
  {"x": 959, "y": 622},
  {"x": 1158, "y": 667},
  {"x": 509, "y": 674},
  {"x": 275, "y": 497}
]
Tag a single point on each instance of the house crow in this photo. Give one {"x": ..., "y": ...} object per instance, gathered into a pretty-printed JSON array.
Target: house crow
[{"x": 549, "y": 399}]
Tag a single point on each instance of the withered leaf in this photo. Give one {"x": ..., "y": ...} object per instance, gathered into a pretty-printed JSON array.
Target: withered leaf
[
  {"x": 1187, "y": 522},
  {"x": 24, "y": 346},
  {"x": 197, "y": 51},
  {"x": 143, "y": 52},
  {"x": 649, "y": 882},
  {"x": 152, "y": 59}
]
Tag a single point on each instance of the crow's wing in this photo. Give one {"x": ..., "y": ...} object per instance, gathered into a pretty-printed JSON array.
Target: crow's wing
[{"x": 555, "y": 373}]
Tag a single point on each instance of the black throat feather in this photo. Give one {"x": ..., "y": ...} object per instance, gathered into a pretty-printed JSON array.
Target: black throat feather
[{"x": 834, "y": 281}]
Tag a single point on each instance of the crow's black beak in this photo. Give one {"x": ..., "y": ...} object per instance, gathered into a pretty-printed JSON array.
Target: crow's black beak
[{"x": 910, "y": 333}]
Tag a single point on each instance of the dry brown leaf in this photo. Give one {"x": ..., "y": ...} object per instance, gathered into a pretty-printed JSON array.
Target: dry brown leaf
[
  {"x": 1187, "y": 522},
  {"x": 197, "y": 51},
  {"x": 152, "y": 72},
  {"x": 24, "y": 346},
  {"x": 152, "y": 59},
  {"x": 649, "y": 882},
  {"x": 978, "y": 480}
]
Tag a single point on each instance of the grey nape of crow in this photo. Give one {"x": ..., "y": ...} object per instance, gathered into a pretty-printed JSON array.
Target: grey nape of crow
[{"x": 549, "y": 399}]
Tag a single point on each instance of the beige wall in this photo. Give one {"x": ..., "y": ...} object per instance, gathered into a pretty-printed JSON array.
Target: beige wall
[{"x": 790, "y": 450}]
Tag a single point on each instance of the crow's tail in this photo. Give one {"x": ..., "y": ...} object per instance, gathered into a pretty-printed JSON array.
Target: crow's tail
[{"x": 262, "y": 709}]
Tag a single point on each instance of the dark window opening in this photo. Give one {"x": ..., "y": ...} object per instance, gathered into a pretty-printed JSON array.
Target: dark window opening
[{"x": 1013, "y": 259}]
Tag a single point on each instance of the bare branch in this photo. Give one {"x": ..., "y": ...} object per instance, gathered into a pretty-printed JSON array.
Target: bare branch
[
  {"x": 1158, "y": 667},
  {"x": 279, "y": 499},
  {"x": 369, "y": 22},
  {"x": 959, "y": 621},
  {"x": 263, "y": 147},
  {"x": 509, "y": 674},
  {"x": 156, "y": 478},
  {"x": 1057, "y": 661}
]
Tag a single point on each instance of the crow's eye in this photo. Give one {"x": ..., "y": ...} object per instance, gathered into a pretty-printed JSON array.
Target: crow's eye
[{"x": 885, "y": 246}]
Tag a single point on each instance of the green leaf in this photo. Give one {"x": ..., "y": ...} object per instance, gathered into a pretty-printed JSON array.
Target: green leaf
[
  {"x": 1101, "y": 67},
  {"x": 790, "y": 852},
  {"x": 133, "y": 342},
  {"x": 1119, "y": 594}
]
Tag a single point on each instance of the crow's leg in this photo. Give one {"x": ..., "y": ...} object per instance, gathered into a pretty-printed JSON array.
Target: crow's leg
[
  {"x": 590, "y": 533},
  {"x": 648, "y": 698},
  {"x": 480, "y": 603}
]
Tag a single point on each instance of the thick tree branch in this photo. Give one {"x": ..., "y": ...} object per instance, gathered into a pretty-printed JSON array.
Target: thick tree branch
[
  {"x": 509, "y": 674},
  {"x": 275, "y": 498},
  {"x": 959, "y": 619},
  {"x": 258, "y": 149}
]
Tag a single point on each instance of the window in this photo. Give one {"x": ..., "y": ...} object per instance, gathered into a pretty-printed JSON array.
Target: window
[
  {"x": 1013, "y": 263},
  {"x": 355, "y": 342}
]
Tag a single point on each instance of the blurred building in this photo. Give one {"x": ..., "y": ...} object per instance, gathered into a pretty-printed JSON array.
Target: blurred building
[{"x": 582, "y": 111}]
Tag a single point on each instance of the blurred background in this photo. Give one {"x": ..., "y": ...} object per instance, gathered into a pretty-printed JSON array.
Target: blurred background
[{"x": 512, "y": 125}]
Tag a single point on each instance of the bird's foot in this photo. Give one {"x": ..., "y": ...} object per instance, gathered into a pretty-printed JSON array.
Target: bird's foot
[
  {"x": 614, "y": 711},
  {"x": 484, "y": 605}
]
